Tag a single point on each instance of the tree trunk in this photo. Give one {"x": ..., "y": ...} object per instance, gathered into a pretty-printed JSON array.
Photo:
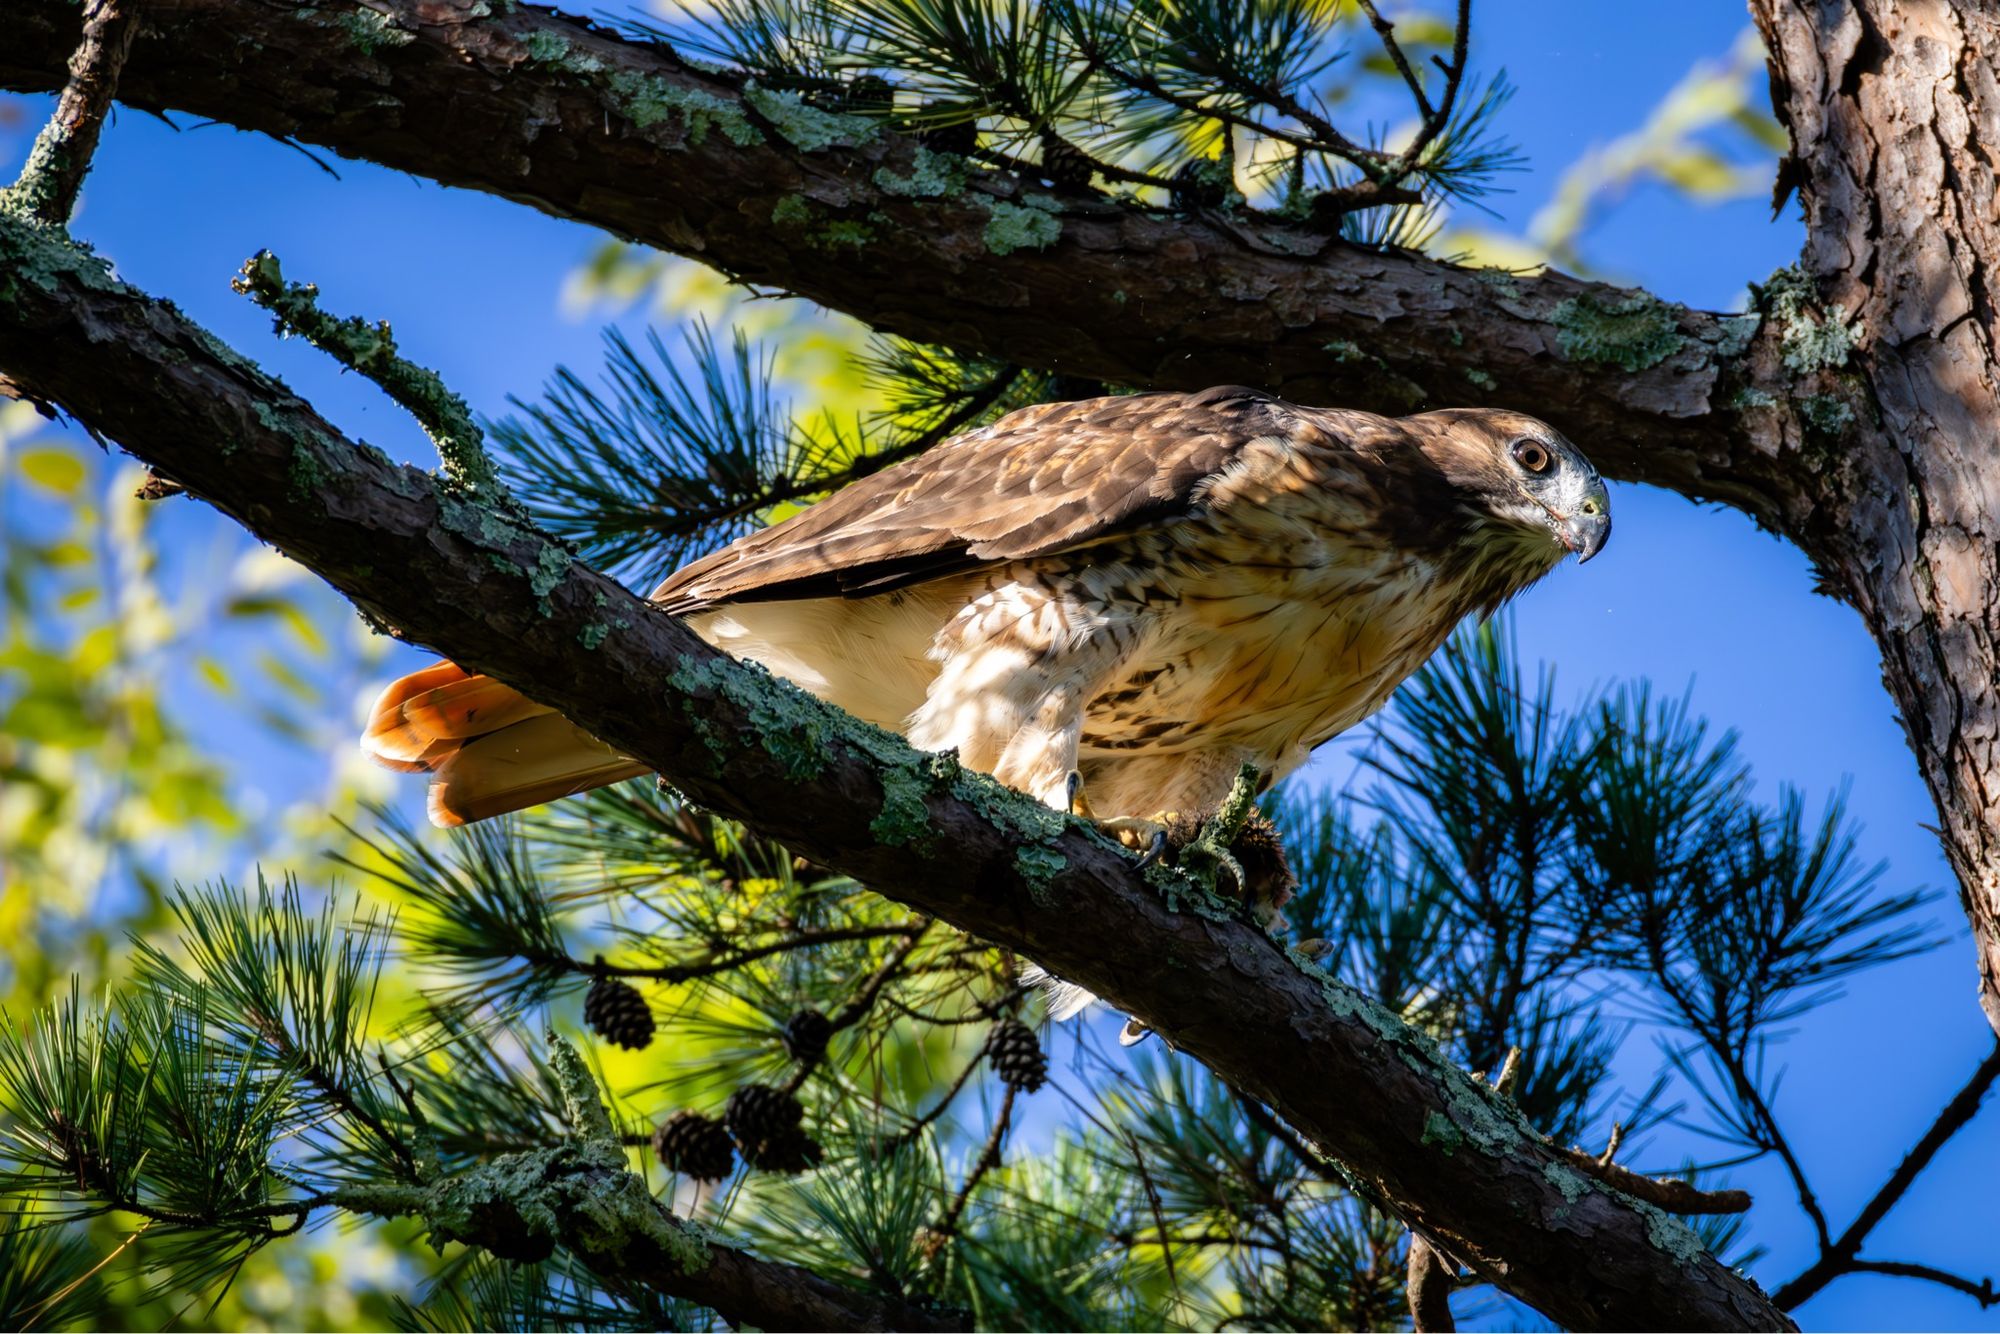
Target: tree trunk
[{"x": 1894, "y": 108}]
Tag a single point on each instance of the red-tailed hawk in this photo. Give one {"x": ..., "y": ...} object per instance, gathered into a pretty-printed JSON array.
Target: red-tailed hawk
[{"x": 1148, "y": 591}]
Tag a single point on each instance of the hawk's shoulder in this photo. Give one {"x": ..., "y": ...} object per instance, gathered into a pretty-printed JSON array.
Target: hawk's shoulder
[{"x": 1043, "y": 479}]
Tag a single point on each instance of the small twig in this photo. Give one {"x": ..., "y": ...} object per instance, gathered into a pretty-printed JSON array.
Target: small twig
[
  {"x": 53, "y": 175},
  {"x": 686, "y": 972},
  {"x": 1612, "y": 1144},
  {"x": 862, "y": 1002},
  {"x": 1386, "y": 31},
  {"x": 371, "y": 350},
  {"x": 1982, "y": 1292},
  {"x": 1429, "y": 1286},
  {"x": 426, "y": 1155},
  {"x": 944, "y": 1101},
  {"x": 1510, "y": 1072},
  {"x": 1668, "y": 1193},
  {"x": 989, "y": 1158}
]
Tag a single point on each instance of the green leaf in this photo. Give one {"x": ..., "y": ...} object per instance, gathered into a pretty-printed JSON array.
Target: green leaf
[{"x": 55, "y": 470}]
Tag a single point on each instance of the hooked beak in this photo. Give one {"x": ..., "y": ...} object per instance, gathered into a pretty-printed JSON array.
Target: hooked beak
[{"x": 1585, "y": 529}]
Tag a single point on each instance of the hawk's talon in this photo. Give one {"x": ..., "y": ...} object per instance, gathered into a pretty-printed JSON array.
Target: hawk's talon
[{"x": 1153, "y": 853}]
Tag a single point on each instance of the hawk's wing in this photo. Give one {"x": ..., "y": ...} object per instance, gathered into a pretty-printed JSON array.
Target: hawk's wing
[{"x": 1043, "y": 479}]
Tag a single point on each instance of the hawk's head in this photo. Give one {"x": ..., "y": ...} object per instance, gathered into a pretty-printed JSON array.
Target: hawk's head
[{"x": 1521, "y": 479}]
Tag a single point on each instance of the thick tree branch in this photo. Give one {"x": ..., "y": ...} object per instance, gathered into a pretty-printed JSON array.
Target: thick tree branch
[
  {"x": 543, "y": 109},
  {"x": 1455, "y": 1158}
]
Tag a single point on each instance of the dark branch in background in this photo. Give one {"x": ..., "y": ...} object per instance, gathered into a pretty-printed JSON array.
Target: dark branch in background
[
  {"x": 53, "y": 175},
  {"x": 722, "y": 963},
  {"x": 1840, "y": 1256},
  {"x": 649, "y": 148},
  {"x": 1452, "y": 1157},
  {"x": 988, "y": 1159},
  {"x": 1430, "y": 1285}
]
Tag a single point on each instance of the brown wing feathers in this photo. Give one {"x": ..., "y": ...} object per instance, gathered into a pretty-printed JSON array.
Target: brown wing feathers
[{"x": 1046, "y": 478}]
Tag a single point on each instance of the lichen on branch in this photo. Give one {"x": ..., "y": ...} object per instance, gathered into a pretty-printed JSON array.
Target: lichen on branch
[{"x": 371, "y": 350}]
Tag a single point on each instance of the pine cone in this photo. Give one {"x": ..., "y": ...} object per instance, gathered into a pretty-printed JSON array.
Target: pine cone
[
  {"x": 1017, "y": 1056},
  {"x": 1200, "y": 183},
  {"x": 790, "y": 1152},
  {"x": 758, "y": 1114},
  {"x": 695, "y": 1145},
  {"x": 1064, "y": 165},
  {"x": 616, "y": 1012},
  {"x": 958, "y": 136},
  {"x": 806, "y": 1034}
]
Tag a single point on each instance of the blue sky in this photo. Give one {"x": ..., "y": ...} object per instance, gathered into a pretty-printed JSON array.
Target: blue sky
[{"x": 1686, "y": 595}]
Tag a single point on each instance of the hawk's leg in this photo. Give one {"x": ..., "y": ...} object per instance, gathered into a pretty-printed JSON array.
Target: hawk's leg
[{"x": 1134, "y": 831}]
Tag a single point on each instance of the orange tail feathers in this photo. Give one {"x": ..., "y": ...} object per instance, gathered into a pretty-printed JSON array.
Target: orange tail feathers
[{"x": 489, "y": 748}]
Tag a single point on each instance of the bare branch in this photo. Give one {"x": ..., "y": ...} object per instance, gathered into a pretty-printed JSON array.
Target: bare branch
[
  {"x": 1668, "y": 1193},
  {"x": 1982, "y": 1292},
  {"x": 1838, "y": 1257},
  {"x": 1429, "y": 1285}
]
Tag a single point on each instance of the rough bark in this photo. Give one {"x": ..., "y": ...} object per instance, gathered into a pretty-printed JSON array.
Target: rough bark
[
  {"x": 1451, "y": 1156},
  {"x": 542, "y": 109},
  {"x": 1894, "y": 108}
]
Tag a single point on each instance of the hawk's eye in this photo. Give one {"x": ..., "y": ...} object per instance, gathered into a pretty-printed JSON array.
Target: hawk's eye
[{"x": 1531, "y": 455}]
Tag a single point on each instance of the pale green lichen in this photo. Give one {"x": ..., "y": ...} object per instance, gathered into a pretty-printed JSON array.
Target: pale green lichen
[
  {"x": 371, "y": 350},
  {"x": 1503, "y": 282},
  {"x": 1825, "y": 415},
  {"x": 793, "y": 727},
  {"x": 804, "y": 126},
  {"x": 931, "y": 176},
  {"x": 1344, "y": 350},
  {"x": 904, "y": 819},
  {"x": 592, "y": 635},
  {"x": 1573, "y": 1184},
  {"x": 1749, "y": 398},
  {"x": 843, "y": 232},
  {"x": 551, "y": 565},
  {"x": 1439, "y": 1130},
  {"x": 546, "y": 48},
  {"x": 645, "y": 99},
  {"x": 1736, "y": 331},
  {"x": 1038, "y": 867},
  {"x": 1807, "y": 340},
  {"x": 1479, "y": 378},
  {"x": 1185, "y": 893},
  {"x": 791, "y": 211},
  {"x": 1632, "y": 332},
  {"x": 1013, "y": 227},
  {"x": 370, "y": 30},
  {"x": 580, "y": 1193},
  {"x": 1670, "y": 1234}
]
